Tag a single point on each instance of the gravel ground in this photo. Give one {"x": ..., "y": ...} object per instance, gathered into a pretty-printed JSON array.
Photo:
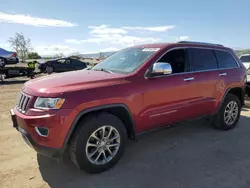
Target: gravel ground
[{"x": 190, "y": 155}]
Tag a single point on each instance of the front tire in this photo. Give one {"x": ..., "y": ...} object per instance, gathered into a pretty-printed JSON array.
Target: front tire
[
  {"x": 98, "y": 143},
  {"x": 229, "y": 113}
]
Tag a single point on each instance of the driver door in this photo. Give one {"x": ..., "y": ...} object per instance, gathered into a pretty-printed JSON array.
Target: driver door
[{"x": 171, "y": 98}]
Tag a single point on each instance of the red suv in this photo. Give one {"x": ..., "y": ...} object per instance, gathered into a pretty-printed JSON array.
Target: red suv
[{"x": 91, "y": 113}]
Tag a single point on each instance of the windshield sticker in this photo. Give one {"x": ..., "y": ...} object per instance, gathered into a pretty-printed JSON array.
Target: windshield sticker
[{"x": 151, "y": 49}]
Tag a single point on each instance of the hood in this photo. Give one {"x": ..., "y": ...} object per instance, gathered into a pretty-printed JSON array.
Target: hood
[
  {"x": 41, "y": 61},
  {"x": 56, "y": 84}
]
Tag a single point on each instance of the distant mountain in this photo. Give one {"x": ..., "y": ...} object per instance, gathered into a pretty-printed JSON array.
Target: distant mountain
[
  {"x": 240, "y": 52},
  {"x": 96, "y": 55}
]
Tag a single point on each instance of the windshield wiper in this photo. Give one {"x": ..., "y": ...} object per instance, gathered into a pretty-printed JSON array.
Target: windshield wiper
[{"x": 104, "y": 70}]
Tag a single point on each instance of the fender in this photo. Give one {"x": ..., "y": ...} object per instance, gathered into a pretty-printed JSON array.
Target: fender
[
  {"x": 225, "y": 94},
  {"x": 97, "y": 108}
]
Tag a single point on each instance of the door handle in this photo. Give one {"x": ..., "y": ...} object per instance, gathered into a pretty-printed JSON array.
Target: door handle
[
  {"x": 223, "y": 74},
  {"x": 188, "y": 79}
]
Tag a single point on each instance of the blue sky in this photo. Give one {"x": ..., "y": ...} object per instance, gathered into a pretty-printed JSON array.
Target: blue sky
[{"x": 56, "y": 26}]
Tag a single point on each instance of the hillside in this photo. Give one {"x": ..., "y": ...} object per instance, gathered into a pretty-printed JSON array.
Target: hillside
[
  {"x": 96, "y": 55},
  {"x": 240, "y": 52}
]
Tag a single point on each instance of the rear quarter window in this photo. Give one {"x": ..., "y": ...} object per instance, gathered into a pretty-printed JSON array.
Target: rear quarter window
[{"x": 225, "y": 59}]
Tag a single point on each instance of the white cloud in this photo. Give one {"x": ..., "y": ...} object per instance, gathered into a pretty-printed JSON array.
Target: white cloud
[
  {"x": 34, "y": 21},
  {"x": 105, "y": 34},
  {"x": 45, "y": 50},
  {"x": 74, "y": 41},
  {"x": 183, "y": 38},
  {"x": 120, "y": 37},
  {"x": 123, "y": 40},
  {"x": 133, "y": 40},
  {"x": 154, "y": 29},
  {"x": 90, "y": 40},
  {"x": 105, "y": 29}
]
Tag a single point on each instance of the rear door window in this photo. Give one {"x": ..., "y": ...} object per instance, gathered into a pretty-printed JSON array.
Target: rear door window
[
  {"x": 202, "y": 59},
  {"x": 225, "y": 59},
  {"x": 77, "y": 63}
]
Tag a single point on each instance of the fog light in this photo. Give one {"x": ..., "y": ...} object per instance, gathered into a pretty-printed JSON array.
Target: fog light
[{"x": 42, "y": 131}]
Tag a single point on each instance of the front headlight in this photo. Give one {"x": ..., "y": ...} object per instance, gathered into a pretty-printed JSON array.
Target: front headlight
[{"x": 48, "y": 103}]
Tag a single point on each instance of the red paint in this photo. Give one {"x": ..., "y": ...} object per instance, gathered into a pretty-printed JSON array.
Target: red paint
[{"x": 152, "y": 102}]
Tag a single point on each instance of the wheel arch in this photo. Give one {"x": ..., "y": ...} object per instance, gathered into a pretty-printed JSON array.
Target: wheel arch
[
  {"x": 237, "y": 91},
  {"x": 119, "y": 110}
]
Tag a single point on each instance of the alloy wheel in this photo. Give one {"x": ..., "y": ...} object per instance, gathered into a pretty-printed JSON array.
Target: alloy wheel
[
  {"x": 103, "y": 145},
  {"x": 49, "y": 69},
  {"x": 231, "y": 113}
]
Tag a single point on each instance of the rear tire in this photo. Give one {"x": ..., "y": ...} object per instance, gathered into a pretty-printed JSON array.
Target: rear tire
[
  {"x": 229, "y": 113},
  {"x": 2, "y": 62},
  {"x": 89, "y": 142}
]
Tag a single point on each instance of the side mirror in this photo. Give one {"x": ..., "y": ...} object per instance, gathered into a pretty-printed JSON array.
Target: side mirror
[{"x": 161, "y": 68}]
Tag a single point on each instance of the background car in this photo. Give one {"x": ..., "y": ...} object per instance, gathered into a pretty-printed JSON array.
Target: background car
[
  {"x": 61, "y": 65},
  {"x": 245, "y": 58},
  {"x": 7, "y": 57}
]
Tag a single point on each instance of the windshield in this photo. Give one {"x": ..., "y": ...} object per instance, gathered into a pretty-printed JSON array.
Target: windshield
[
  {"x": 126, "y": 61},
  {"x": 245, "y": 58}
]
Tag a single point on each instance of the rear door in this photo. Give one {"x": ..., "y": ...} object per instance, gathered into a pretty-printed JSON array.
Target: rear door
[
  {"x": 228, "y": 73},
  {"x": 78, "y": 65},
  {"x": 204, "y": 65}
]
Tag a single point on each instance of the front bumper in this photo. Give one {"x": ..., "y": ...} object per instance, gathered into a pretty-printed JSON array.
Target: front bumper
[
  {"x": 47, "y": 151},
  {"x": 41, "y": 67},
  {"x": 44, "y": 150},
  {"x": 58, "y": 124}
]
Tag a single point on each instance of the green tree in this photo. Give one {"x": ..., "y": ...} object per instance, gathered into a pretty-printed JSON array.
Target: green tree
[
  {"x": 33, "y": 55},
  {"x": 21, "y": 45}
]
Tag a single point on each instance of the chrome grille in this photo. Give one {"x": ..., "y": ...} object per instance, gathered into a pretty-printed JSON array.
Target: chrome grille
[{"x": 23, "y": 102}]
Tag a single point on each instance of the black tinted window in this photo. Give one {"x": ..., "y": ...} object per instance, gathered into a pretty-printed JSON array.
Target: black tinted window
[
  {"x": 74, "y": 62},
  {"x": 225, "y": 59},
  {"x": 177, "y": 59},
  {"x": 202, "y": 59}
]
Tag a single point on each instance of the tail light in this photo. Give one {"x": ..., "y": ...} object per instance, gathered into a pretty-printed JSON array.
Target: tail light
[{"x": 14, "y": 55}]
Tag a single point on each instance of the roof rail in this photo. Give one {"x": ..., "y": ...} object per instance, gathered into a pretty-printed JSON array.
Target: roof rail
[{"x": 204, "y": 43}]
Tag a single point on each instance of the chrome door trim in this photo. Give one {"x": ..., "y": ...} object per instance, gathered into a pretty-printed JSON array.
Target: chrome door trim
[
  {"x": 188, "y": 79},
  {"x": 164, "y": 113},
  {"x": 223, "y": 74}
]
